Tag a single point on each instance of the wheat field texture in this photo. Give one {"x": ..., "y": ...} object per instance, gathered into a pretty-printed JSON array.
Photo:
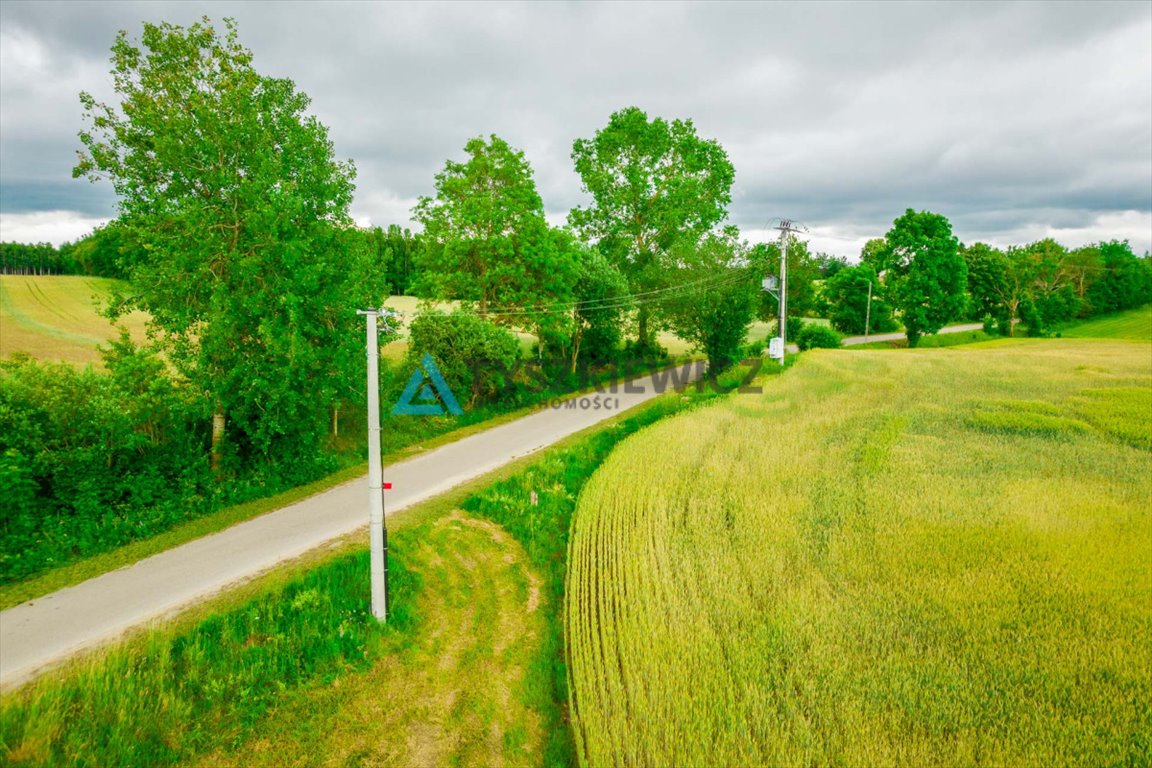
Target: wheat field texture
[{"x": 937, "y": 557}]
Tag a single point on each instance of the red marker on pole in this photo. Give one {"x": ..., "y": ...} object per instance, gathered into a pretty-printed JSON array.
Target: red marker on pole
[{"x": 387, "y": 486}]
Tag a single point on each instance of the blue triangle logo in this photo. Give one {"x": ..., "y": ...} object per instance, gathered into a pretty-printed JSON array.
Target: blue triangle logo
[{"x": 428, "y": 386}]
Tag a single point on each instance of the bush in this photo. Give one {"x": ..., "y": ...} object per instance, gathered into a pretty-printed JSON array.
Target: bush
[
  {"x": 475, "y": 357},
  {"x": 90, "y": 461},
  {"x": 818, "y": 337},
  {"x": 795, "y": 327}
]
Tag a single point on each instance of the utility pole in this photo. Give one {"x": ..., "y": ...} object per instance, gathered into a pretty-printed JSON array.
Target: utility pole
[
  {"x": 786, "y": 227},
  {"x": 868, "y": 312},
  {"x": 377, "y": 532}
]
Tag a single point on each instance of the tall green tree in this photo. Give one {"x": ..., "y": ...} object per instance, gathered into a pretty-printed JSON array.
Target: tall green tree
[
  {"x": 655, "y": 185},
  {"x": 926, "y": 277},
  {"x": 1053, "y": 293},
  {"x": 716, "y": 314},
  {"x": 849, "y": 309},
  {"x": 490, "y": 244},
  {"x": 987, "y": 276},
  {"x": 239, "y": 209}
]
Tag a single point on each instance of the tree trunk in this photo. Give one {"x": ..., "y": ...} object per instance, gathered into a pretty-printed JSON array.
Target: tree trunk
[
  {"x": 336, "y": 422},
  {"x": 642, "y": 328},
  {"x": 217, "y": 436}
]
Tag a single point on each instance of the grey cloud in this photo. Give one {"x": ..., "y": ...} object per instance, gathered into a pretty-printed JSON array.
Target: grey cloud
[{"x": 843, "y": 114}]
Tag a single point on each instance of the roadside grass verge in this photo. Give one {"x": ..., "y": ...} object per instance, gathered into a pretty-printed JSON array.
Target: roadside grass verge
[
  {"x": 914, "y": 559},
  {"x": 290, "y": 668}
]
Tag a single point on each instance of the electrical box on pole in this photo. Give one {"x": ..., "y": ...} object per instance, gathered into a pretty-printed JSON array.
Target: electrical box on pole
[{"x": 776, "y": 348}]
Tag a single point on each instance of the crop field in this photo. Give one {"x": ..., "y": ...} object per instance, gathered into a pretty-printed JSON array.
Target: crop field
[
  {"x": 889, "y": 558},
  {"x": 58, "y": 317}
]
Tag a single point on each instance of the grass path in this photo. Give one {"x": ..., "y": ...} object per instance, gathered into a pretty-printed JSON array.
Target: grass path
[{"x": 454, "y": 695}]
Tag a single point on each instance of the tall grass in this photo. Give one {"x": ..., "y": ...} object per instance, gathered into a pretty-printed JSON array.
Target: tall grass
[
  {"x": 167, "y": 695},
  {"x": 908, "y": 559}
]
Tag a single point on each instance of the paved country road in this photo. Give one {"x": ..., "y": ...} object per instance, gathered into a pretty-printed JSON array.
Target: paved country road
[
  {"x": 48, "y": 629},
  {"x": 853, "y": 340}
]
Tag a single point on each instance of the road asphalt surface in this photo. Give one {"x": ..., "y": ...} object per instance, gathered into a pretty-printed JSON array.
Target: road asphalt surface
[
  {"x": 854, "y": 340},
  {"x": 44, "y": 631}
]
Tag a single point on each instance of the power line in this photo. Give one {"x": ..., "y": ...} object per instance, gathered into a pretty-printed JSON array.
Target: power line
[{"x": 623, "y": 302}]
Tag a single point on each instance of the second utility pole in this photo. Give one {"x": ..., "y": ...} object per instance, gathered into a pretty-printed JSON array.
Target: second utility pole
[{"x": 786, "y": 227}]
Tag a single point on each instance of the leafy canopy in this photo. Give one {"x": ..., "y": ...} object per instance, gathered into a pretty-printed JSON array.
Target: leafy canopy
[
  {"x": 654, "y": 185},
  {"x": 238, "y": 214},
  {"x": 716, "y": 314},
  {"x": 926, "y": 276},
  {"x": 489, "y": 240}
]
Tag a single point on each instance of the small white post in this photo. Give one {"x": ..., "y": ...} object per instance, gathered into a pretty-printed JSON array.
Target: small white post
[{"x": 377, "y": 533}]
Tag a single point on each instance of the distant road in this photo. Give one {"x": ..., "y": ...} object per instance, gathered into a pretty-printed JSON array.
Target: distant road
[
  {"x": 48, "y": 629},
  {"x": 853, "y": 340}
]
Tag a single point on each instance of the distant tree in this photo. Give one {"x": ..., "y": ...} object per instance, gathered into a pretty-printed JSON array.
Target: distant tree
[
  {"x": 829, "y": 264},
  {"x": 103, "y": 251},
  {"x": 846, "y": 294},
  {"x": 1081, "y": 268},
  {"x": 987, "y": 276},
  {"x": 1052, "y": 294},
  {"x": 238, "y": 214},
  {"x": 873, "y": 253},
  {"x": 33, "y": 259},
  {"x": 714, "y": 316},
  {"x": 396, "y": 251},
  {"x": 655, "y": 185},
  {"x": 1124, "y": 281},
  {"x": 926, "y": 276}
]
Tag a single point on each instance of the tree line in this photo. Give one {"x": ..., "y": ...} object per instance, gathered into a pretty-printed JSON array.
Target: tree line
[{"x": 233, "y": 234}]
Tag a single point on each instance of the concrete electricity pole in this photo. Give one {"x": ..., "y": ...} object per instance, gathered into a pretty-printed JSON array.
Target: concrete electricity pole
[
  {"x": 377, "y": 532},
  {"x": 786, "y": 227}
]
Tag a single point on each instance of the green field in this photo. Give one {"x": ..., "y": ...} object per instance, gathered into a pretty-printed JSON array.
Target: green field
[
  {"x": 913, "y": 558},
  {"x": 58, "y": 318},
  {"x": 1134, "y": 325}
]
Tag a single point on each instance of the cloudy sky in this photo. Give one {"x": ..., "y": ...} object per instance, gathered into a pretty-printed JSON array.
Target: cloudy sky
[{"x": 1017, "y": 121}]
